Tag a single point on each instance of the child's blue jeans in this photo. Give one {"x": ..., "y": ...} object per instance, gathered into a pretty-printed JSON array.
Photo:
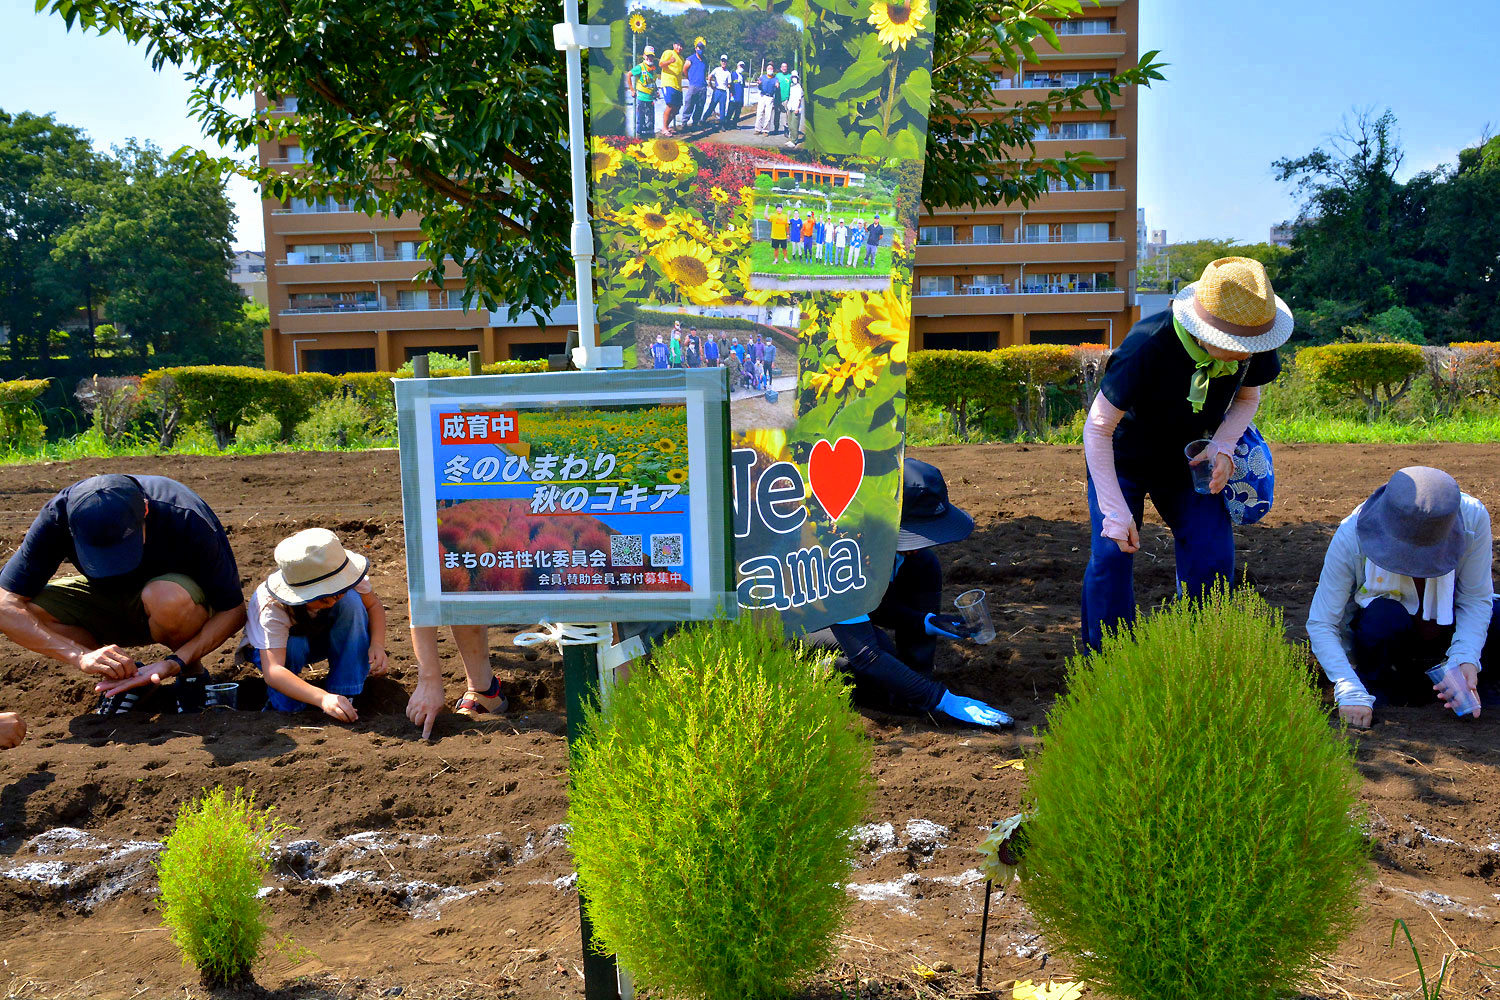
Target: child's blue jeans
[
  {"x": 346, "y": 647},
  {"x": 1201, "y": 531}
]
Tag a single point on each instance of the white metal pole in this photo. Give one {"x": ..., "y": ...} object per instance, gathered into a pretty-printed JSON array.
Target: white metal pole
[{"x": 571, "y": 40}]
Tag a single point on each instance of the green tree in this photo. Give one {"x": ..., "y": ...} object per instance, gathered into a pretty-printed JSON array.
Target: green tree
[
  {"x": 456, "y": 109},
  {"x": 158, "y": 239},
  {"x": 1183, "y": 263},
  {"x": 43, "y": 167}
]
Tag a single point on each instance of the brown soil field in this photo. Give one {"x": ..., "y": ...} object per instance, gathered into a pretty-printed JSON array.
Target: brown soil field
[{"x": 441, "y": 868}]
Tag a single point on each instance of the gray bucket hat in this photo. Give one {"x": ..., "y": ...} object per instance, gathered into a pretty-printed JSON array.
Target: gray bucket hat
[{"x": 1411, "y": 525}]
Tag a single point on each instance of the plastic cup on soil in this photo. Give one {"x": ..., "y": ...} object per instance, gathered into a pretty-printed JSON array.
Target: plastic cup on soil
[
  {"x": 1203, "y": 472},
  {"x": 1466, "y": 703},
  {"x": 974, "y": 608},
  {"x": 223, "y": 696}
]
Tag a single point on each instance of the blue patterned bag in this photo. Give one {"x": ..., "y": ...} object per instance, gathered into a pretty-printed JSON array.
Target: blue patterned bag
[{"x": 1252, "y": 484}]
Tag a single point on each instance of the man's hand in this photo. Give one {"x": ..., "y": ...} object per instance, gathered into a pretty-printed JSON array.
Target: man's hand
[
  {"x": 12, "y": 730},
  {"x": 1452, "y": 687},
  {"x": 378, "y": 662},
  {"x": 110, "y": 662},
  {"x": 153, "y": 674},
  {"x": 1358, "y": 716},
  {"x": 336, "y": 706},
  {"x": 425, "y": 705}
]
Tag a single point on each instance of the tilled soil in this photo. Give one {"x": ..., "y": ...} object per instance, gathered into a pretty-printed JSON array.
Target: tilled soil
[{"x": 440, "y": 869}]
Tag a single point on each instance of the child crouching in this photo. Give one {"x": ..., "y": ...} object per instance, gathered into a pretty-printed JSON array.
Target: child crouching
[{"x": 318, "y": 605}]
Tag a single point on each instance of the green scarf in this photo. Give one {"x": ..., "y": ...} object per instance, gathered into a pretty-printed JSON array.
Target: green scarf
[{"x": 1207, "y": 367}]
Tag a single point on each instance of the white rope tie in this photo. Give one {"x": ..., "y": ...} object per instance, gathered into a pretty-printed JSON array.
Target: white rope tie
[{"x": 565, "y": 634}]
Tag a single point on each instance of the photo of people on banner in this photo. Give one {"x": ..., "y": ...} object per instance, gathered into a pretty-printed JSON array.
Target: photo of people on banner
[
  {"x": 573, "y": 500},
  {"x": 779, "y": 247}
]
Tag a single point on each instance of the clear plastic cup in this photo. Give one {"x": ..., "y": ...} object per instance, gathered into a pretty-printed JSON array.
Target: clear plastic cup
[
  {"x": 1467, "y": 703},
  {"x": 1203, "y": 472},
  {"x": 974, "y": 608},
  {"x": 223, "y": 696}
]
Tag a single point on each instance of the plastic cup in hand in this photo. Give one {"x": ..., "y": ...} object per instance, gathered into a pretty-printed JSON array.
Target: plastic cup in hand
[
  {"x": 225, "y": 696},
  {"x": 971, "y": 604},
  {"x": 1203, "y": 472},
  {"x": 1466, "y": 703}
]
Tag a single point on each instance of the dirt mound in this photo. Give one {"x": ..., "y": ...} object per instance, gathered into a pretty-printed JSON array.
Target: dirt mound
[{"x": 441, "y": 868}]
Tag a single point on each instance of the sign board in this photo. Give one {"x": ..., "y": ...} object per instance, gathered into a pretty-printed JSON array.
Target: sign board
[
  {"x": 766, "y": 222},
  {"x": 568, "y": 496}
]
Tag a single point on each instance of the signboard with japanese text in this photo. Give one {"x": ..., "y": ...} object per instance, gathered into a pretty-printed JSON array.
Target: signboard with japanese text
[{"x": 580, "y": 497}]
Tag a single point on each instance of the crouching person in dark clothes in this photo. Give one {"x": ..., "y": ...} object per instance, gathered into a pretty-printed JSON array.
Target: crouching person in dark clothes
[
  {"x": 890, "y": 652},
  {"x": 156, "y": 569}
]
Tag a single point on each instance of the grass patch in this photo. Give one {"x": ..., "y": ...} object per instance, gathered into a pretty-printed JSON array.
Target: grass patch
[
  {"x": 760, "y": 260},
  {"x": 91, "y": 444}
]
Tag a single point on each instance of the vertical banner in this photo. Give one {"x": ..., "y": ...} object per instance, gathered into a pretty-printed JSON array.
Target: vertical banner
[{"x": 757, "y": 172}]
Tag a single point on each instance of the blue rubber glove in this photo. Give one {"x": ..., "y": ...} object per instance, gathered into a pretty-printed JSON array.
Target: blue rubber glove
[
  {"x": 946, "y": 626},
  {"x": 969, "y": 710}
]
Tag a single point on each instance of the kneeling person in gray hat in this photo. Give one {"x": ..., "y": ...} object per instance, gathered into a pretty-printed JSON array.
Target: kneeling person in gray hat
[
  {"x": 156, "y": 569},
  {"x": 1406, "y": 588}
]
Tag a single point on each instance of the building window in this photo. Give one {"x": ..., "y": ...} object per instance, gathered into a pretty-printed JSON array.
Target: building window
[
  {"x": 1099, "y": 181},
  {"x": 537, "y": 352},
  {"x": 1064, "y": 79},
  {"x": 935, "y": 236},
  {"x": 455, "y": 298},
  {"x": 966, "y": 340},
  {"x": 337, "y": 361},
  {"x": 986, "y": 235},
  {"x": 333, "y": 301},
  {"x": 1085, "y": 232},
  {"x": 935, "y": 284},
  {"x": 1085, "y": 26},
  {"x": 408, "y": 250},
  {"x": 986, "y": 284},
  {"x": 1068, "y": 337},
  {"x": 412, "y": 299}
]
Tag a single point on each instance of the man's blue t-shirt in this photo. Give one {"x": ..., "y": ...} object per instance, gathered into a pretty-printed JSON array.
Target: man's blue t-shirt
[
  {"x": 659, "y": 355},
  {"x": 794, "y": 229},
  {"x": 711, "y": 349},
  {"x": 770, "y": 353},
  {"x": 739, "y": 352},
  {"x": 697, "y": 71},
  {"x": 182, "y": 536},
  {"x": 737, "y": 86},
  {"x": 818, "y": 232}
]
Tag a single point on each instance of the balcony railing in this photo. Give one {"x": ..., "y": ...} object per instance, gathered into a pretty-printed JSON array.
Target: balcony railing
[
  {"x": 1006, "y": 289},
  {"x": 990, "y": 241},
  {"x": 379, "y": 305},
  {"x": 295, "y": 259},
  {"x": 316, "y": 210}
]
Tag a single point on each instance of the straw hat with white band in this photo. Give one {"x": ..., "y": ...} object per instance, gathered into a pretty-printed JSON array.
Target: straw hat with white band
[
  {"x": 313, "y": 564},
  {"x": 1233, "y": 307}
]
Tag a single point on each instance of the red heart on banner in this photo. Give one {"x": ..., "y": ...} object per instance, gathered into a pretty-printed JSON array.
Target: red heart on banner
[{"x": 836, "y": 470}]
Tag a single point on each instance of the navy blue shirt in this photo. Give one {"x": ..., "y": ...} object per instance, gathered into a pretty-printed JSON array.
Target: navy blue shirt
[
  {"x": 1148, "y": 377},
  {"x": 182, "y": 536},
  {"x": 697, "y": 71}
]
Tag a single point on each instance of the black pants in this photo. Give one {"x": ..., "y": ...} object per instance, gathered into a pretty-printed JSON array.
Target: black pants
[
  {"x": 892, "y": 670},
  {"x": 1392, "y": 655}
]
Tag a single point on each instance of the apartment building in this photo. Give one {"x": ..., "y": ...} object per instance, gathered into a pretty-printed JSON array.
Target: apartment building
[
  {"x": 248, "y": 272},
  {"x": 344, "y": 296},
  {"x": 1061, "y": 270}
]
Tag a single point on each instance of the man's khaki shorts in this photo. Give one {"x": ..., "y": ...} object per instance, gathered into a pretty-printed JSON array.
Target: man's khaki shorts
[{"x": 111, "y": 615}]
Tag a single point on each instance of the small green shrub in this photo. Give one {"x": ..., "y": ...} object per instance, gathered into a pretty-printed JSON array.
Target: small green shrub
[
  {"x": 293, "y": 397},
  {"x": 210, "y": 871},
  {"x": 340, "y": 422},
  {"x": 20, "y": 421},
  {"x": 711, "y": 813},
  {"x": 262, "y": 432},
  {"x": 965, "y": 384},
  {"x": 1378, "y": 375},
  {"x": 1033, "y": 369},
  {"x": 1196, "y": 831},
  {"x": 438, "y": 362}
]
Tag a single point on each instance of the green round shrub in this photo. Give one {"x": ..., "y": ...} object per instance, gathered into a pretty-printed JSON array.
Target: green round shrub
[
  {"x": 340, "y": 422},
  {"x": 1195, "y": 830},
  {"x": 711, "y": 813},
  {"x": 210, "y": 871}
]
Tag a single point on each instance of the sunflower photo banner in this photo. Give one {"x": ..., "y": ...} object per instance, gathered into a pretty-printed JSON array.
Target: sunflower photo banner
[{"x": 757, "y": 171}]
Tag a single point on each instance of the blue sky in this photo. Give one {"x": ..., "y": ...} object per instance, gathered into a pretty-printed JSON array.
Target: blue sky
[{"x": 1248, "y": 83}]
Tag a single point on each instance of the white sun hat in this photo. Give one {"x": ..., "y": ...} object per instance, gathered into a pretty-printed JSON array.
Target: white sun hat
[
  {"x": 313, "y": 564},
  {"x": 1233, "y": 307}
]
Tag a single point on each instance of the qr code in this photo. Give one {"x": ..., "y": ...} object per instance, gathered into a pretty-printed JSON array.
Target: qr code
[
  {"x": 625, "y": 550},
  {"x": 666, "y": 550}
]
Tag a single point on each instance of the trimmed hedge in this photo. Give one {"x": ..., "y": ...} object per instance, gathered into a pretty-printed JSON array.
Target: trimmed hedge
[
  {"x": 970, "y": 385},
  {"x": 1375, "y": 374},
  {"x": 20, "y": 420}
]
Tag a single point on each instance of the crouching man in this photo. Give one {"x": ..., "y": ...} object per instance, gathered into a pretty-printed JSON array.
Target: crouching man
[
  {"x": 156, "y": 569},
  {"x": 1406, "y": 588}
]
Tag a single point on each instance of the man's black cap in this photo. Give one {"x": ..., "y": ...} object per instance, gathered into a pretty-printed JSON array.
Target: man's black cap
[{"x": 106, "y": 515}]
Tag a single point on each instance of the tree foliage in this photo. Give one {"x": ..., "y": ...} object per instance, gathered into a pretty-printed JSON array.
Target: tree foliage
[
  {"x": 1183, "y": 263},
  {"x": 456, "y": 109},
  {"x": 1366, "y": 243}
]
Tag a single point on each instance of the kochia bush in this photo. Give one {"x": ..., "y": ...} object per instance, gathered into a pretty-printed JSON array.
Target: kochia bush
[
  {"x": 711, "y": 813},
  {"x": 1196, "y": 831},
  {"x": 210, "y": 871}
]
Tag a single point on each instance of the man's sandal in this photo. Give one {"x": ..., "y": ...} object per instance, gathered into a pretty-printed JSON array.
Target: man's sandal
[{"x": 482, "y": 707}]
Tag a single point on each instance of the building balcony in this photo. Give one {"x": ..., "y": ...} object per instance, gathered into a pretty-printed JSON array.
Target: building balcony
[
  {"x": 1116, "y": 147},
  {"x": 1108, "y": 46},
  {"x": 356, "y": 317},
  {"x": 1113, "y": 199},
  {"x": 287, "y": 222},
  {"x": 987, "y": 300},
  {"x": 1037, "y": 252},
  {"x": 333, "y": 272}
]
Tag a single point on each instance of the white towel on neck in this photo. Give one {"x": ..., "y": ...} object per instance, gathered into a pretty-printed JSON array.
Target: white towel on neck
[{"x": 1437, "y": 593}]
